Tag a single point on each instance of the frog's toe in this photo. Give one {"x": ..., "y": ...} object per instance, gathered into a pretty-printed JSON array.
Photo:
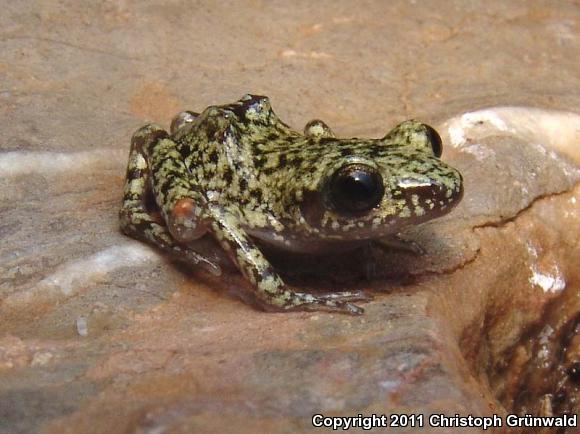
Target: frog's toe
[
  {"x": 346, "y": 296},
  {"x": 353, "y": 309},
  {"x": 195, "y": 258},
  {"x": 334, "y": 302},
  {"x": 335, "y": 306},
  {"x": 182, "y": 119}
]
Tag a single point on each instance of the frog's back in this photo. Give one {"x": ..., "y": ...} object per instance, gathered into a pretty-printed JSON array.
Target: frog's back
[{"x": 236, "y": 152}]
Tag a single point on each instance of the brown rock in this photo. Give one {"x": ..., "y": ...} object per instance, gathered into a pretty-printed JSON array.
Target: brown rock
[{"x": 100, "y": 334}]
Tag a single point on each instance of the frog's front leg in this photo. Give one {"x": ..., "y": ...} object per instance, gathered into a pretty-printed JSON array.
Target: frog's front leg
[
  {"x": 137, "y": 218},
  {"x": 270, "y": 290}
]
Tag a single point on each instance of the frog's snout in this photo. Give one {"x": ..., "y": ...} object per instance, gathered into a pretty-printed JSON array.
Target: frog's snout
[{"x": 431, "y": 198}]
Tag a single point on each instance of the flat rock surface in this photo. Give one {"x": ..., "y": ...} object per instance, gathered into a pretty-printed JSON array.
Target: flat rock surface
[{"x": 99, "y": 333}]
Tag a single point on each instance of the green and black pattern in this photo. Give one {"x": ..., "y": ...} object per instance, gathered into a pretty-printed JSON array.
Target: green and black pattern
[{"x": 237, "y": 173}]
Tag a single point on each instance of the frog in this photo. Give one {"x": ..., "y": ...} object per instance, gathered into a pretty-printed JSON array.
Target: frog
[{"x": 240, "y": 176}]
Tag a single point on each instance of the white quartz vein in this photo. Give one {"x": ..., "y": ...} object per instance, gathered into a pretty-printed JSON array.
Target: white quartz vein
[
  {"x": 14, "y": 163},
  {"x": 73, "y": 277},
  {"x": 553, "y": 129}
]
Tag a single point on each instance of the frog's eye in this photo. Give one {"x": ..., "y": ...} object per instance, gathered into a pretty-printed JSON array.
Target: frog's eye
[
  {"x": 434, "y": 140},
  {"x": 356, "y": 188}
]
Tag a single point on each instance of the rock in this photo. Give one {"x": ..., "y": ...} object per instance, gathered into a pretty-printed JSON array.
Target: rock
[{"x": 168, "y": 349}]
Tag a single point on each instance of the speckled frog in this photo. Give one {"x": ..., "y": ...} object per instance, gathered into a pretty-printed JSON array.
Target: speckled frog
[{"x": 239, "y": 174}]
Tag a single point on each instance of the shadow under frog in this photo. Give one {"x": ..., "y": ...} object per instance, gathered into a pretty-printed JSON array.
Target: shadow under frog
[{"x": 238, "y": 175}]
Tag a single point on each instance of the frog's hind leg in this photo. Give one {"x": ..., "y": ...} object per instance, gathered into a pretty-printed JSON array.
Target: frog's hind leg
[
  {"x": 140, "y": 215},
  {"x": 137, "y": 218}
]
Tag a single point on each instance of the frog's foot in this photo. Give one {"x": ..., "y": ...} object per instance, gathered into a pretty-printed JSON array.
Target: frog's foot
[
  {"x": 182, "y": 119},
  {"x": 310, "y": 302},
  {"x": 191, "y": 257},
  {"x": 339, "y": 302},
  {"x": 317, "y": 128},
  {"x": 397, "y": 243},
  {"x": 345, "y": 296}
]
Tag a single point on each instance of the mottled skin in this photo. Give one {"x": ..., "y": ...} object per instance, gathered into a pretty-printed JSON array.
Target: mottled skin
[{"x": 237, "y": 173}]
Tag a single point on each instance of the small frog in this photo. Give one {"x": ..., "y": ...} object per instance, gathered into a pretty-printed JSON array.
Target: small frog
[{"x": 239, "y": 174}]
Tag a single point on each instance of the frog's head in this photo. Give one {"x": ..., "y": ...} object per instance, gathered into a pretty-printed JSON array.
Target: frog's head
[{"x": 369, "y": 188}]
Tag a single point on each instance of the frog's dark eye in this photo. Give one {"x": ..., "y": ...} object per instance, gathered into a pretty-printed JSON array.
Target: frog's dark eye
[
  {"x": 434, "y": 140},
  {"x": 356, "y": 188}
]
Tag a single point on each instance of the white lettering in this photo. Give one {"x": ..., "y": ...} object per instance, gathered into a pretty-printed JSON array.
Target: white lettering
[
  {"x": 457, "y": 421},
  {"x": 529, "y": 421}
]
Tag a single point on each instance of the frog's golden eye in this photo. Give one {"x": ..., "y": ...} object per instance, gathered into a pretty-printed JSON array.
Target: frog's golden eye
[
  {"x": 434, "y": 140},
  {"x": 356, "y": 188}
]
